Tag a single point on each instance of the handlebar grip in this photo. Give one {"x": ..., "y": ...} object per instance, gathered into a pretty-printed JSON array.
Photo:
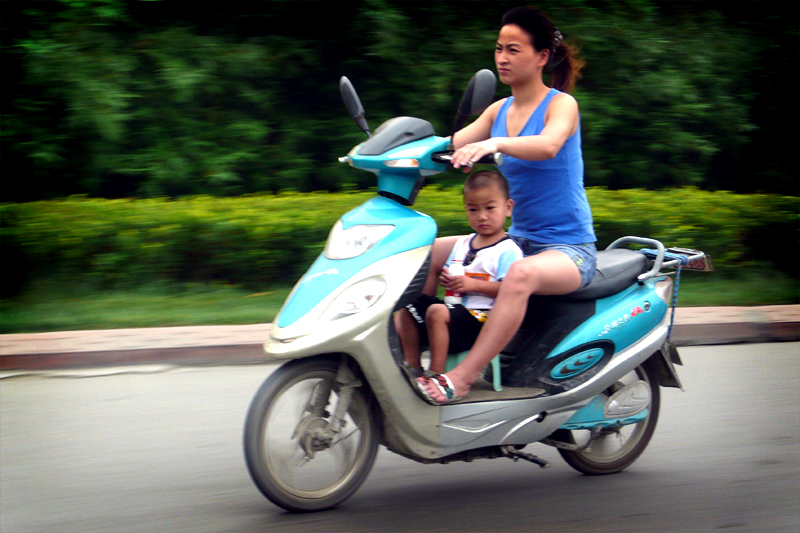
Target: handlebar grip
[
  {"x": 491, "y": 159},
  {"x": 446, "y": 157}
]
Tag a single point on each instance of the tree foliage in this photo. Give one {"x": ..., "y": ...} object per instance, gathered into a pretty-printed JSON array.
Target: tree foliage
[
  {"x": 670, "y": 103},
  {"x": 159, "y": 98}
]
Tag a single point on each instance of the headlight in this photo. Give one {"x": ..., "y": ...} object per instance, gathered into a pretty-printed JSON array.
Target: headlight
[
  {"x": 356, "y": 298},
  {"x": 355, "y": 240}
]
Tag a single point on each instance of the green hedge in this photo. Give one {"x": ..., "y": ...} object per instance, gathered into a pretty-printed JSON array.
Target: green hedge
[{"x": 260, "y": 240}]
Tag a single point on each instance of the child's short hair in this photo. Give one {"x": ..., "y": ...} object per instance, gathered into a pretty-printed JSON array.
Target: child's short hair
[{"x": 486, "y": 178}]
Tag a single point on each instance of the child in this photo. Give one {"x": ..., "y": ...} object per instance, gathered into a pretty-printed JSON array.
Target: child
[{"x": 486, "y": 256}]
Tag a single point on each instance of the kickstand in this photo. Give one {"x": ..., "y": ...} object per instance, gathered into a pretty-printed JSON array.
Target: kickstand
[{"x": 516, "y": 455}]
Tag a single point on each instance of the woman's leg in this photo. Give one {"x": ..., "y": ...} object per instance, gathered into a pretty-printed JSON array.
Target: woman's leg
[
  {"x": 548, "y": 273},
  {"x": 441, "y": 251},
  {"x": 437, "y": 319}
]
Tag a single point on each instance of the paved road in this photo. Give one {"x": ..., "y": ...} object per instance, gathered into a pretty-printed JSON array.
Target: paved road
[{"x": 160, "y": 450}]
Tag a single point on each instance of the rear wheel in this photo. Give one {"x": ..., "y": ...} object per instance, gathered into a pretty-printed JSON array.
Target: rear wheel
[
  {"x": 614, "y": 449},
  {"x": 292, "y": 456}
]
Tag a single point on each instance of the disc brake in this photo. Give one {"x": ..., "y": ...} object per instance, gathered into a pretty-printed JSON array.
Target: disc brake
[{"x": 317, "y": 429}]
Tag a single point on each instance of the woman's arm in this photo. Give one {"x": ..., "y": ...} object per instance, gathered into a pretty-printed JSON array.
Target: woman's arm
[
  {"x": 480, "y": 129},
  {"x": 561, "y": 122}
]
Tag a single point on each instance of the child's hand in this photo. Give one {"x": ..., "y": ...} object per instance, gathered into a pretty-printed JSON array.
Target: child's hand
[
  {"x": 454, "y": 283},
  {"x": 444, "y": 277},
  {"x": 460, "y": 284}
]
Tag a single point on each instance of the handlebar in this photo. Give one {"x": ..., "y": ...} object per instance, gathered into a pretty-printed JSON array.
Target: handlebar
[{"x": 446, "y": 157}]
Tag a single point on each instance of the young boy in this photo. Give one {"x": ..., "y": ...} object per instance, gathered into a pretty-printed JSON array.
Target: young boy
[{"x": 486, "y": 256}]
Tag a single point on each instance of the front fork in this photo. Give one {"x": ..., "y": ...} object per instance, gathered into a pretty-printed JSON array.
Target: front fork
[{"x": 317, "y": 430}]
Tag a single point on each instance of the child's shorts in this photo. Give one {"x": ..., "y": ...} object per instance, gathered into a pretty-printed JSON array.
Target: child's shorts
[{"x": 464, "y": 326}]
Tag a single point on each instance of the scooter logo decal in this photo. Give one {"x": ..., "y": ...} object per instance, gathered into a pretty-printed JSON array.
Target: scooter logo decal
[
  {"x": 621, "y": 321},
  {"x": 577, "y": 364}
]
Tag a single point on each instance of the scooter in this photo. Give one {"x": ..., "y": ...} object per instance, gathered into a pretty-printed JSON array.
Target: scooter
[{"x": 582, "y": 374}]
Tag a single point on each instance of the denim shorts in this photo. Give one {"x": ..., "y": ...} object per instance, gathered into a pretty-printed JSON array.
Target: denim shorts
[{"x": 584, "y": 255}]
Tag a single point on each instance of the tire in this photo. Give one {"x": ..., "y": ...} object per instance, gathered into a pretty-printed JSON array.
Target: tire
[
  {"x": 275, "y": 458},
  {"x": 615, "y": 449}
]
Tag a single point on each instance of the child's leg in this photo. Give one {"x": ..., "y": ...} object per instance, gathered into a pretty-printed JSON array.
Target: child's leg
[
  {"x": 409, "y": 337},
  {"x": 437, "y": 319}
]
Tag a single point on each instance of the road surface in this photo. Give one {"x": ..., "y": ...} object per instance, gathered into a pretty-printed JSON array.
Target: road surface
[{"x": 155, "y": 449}]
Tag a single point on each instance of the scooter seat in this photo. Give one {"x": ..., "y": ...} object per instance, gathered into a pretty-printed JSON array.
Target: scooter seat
[
  {"x": 549, "y": 319},
  {"x": 617, "y": 269}
]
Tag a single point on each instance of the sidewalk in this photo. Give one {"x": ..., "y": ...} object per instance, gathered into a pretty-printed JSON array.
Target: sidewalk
[{"x": 243, "y": 344}]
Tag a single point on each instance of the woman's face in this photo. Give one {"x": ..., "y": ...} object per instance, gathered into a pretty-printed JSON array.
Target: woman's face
[{"x": 516, "y": 59}]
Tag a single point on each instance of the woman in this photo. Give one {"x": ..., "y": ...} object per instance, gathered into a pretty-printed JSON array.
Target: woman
[{"x": 537, "y": 130}]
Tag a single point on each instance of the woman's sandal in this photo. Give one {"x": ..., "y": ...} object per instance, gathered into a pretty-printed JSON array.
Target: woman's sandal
[{"x": 443, "y": 383}]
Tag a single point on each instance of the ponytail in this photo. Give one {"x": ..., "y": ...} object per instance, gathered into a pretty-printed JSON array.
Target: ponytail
[{"x": 564, "y": 65}]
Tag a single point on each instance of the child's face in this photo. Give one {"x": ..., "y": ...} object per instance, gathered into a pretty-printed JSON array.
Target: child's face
[{"x": 487, "y": 210}]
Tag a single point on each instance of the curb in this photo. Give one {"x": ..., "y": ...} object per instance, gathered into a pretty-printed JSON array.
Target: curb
[
  {"x": 224, "y": 345},
  {"x": 735, "y": 333},
  {"x": 195, "y": 345},
  {"x": 235, "y": 354}
]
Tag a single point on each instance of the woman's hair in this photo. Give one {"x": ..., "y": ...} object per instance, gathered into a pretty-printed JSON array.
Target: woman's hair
[
  {"x": 486, "y": 178},
  {"x": 564, "y": 65}
]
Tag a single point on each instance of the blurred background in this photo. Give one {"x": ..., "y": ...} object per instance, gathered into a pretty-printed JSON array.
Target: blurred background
[
  {"x": 148, "y": 98},
  {"x": 170, "y": 101}
]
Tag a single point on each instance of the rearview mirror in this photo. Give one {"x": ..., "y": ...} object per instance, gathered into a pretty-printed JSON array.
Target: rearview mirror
[
  {"x": 353, "y": 104},
  {"x": 477, "y": 96}
]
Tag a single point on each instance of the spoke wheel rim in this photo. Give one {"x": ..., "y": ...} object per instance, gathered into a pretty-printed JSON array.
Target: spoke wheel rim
[
  {"x": 614, "y": 449},
  {"x": 285, "y": 458}
]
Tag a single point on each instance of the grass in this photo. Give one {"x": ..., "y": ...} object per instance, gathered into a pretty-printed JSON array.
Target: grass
[
  {"x": 53, "y": 306},
  {"x": 50, "y": 306},
  {"x": 760, "y": 287}
]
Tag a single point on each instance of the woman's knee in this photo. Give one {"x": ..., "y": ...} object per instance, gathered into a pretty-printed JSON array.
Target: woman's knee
[
  {"x": 551, "y": 272},
  {"x": 522, "y": 277}
]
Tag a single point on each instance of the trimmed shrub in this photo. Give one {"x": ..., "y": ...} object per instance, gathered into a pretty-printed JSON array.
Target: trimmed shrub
[{"x": 260, "y": 240}]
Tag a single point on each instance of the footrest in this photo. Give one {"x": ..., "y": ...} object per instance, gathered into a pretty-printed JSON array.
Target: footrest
[{"x": 454, "y": 359}]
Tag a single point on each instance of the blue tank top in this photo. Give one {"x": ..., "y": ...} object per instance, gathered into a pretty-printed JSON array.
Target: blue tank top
[{"x": 550, "y": 204}]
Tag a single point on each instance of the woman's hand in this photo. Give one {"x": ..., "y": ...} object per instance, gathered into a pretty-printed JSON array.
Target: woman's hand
[{"x": 468, "y": 155}]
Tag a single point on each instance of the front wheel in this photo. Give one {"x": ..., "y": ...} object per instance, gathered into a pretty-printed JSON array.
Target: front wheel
[
  {"x": 297, "y": 454},
  {"x": 614, "y": 449}
]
